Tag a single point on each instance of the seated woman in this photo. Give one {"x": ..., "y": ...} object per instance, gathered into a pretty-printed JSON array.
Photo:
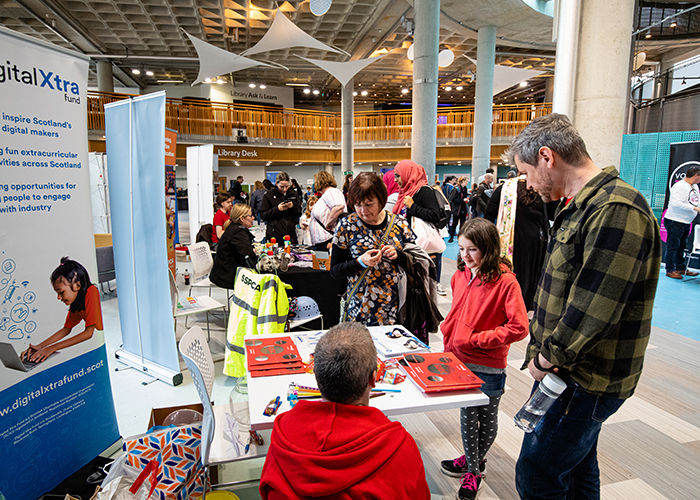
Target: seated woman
[
  {"x": 235, "y": 248},
  {"x": 222, "y": 206},
  {"x": 368, "y": 249}
]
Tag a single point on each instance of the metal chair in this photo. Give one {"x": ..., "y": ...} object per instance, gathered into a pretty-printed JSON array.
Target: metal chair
[
  {"x": 215, "y": 449},
  {"x": 200, "y": 304},
  {"x": 105, "y": 266}
]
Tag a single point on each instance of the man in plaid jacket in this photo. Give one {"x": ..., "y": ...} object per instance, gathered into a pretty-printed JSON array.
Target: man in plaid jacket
[{"x": 593, "y": 307}]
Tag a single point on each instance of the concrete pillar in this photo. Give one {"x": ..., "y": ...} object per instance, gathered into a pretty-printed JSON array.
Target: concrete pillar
[
  {"x": 105, "y": 78},
  {"x": 347, "y": 115},
  {"x": 602, "y": 83},
  {"x": 483, "y": 100},
  {"x": 425, "y": 84},
  {"x": 549, "y": 90},
  {"x": 565, "y": 66}
]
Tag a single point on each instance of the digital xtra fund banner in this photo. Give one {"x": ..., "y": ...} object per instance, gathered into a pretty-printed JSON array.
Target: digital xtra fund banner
[{"x": 58, "y": 414}]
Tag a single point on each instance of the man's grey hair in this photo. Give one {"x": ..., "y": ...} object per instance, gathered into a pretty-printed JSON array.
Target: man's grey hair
[
  {"x": 282, "y": 177},
  {"x": 554, "y": 131},
  {"x": 344, "y": 360}
]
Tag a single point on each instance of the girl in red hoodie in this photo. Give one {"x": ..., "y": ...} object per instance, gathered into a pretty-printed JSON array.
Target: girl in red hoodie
[{"x": 488, "y": 314}]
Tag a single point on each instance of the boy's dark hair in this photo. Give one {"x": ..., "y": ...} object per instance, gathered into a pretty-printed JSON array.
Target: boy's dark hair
[
  {"x": 267, "y": 183},
  {"x": 484, "y": 235},
  {"x": 73, "y": 272}
]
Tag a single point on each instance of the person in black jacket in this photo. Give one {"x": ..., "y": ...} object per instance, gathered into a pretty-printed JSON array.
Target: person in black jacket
[
  {"x": 281, "y": 209},
  {"x": 235, "y": 248}
]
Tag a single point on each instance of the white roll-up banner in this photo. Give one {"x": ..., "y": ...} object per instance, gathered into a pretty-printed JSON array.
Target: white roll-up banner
[{"x": 56, "y": 415}]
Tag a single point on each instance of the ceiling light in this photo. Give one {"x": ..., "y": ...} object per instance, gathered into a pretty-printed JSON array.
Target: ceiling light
[
  {"x": 523, "y": 83},
  {"x": 409, "y": 53},
  {"x": 364, "y": 92},
  {"x": 354, "y": 93},
  {"x": 648, "y": 35},
  {"x": 316, "y": 92},
  {"x": 251, "y": 85},
  {"x": 460, "y": 87},
  {"x": 149, "y": 73},
  {"x": 445, "y": 58},
  {"x": 448, "y": 88},
  {"x": 219, "y": 81},
  {"x": 270, "y": 143},
  {"x": 307, "y": 90},
  {"x": 207, "y": 80},
  {"x": 319, "y": 7},
  {"x": 263, "y": 86},
  {"x": 404, "y": 91},
  {"x": 683, "y": 82},
  {"x": 673, "y": 24},
  {"x": 136, "y": 71},
  {"x": 170, "y": 81},
  {"x": 291, "y": 84}
]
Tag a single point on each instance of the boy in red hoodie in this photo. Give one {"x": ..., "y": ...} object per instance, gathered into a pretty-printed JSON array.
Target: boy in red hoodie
[
  {"x": 340, "y": 447},
  {"x": 488, "y": 314}
]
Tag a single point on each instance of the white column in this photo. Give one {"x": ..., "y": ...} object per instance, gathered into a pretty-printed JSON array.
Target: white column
[
  {"x": 425, "y": 84},
  {"x": 347, "y": 142},
  {"x": 567, "y": 31},
  {"x": 603, "y": 77},
  {"x": 483, "y": 100}
]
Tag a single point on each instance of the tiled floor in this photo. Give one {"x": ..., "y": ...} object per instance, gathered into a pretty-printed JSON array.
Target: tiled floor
[{"x": 649, "y": 449}]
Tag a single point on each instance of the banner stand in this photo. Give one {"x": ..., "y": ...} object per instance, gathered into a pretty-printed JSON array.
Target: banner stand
[
  {"x": 135, "y": 135},
  {"x": 155, "y": 370}
]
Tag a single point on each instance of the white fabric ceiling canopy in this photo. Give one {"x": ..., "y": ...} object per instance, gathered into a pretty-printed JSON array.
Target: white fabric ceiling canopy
[
  {"x": 284, "y": 34},
  {"x": 504, "y": 77},
  {"x": 343, "y": 71},
  {"x": 214, "y": 61}
]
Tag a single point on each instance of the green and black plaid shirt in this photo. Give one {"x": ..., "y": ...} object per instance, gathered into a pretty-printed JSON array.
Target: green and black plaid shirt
[{"x": 596, "y": 294}]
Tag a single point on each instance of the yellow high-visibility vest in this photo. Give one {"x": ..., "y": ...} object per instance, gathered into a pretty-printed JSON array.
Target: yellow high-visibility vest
[{"x": 259, "y": 305}]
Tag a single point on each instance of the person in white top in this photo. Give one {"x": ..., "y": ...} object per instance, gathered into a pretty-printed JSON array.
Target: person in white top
[
  {"x": 683, "y": 207},
  {"x": 325, "y": 212}
]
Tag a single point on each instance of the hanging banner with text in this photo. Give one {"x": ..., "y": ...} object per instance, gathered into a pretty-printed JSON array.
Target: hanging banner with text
[
  {"x": 683, "y": 156},
  {"x": 58, "y": 414}
]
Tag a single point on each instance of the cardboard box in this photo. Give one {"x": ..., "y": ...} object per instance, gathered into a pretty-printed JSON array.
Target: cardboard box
[{"x": 159, "y": 414}]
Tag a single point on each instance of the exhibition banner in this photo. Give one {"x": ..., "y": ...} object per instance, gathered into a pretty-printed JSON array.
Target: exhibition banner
[
  {"x": 171, "y": 197},
  {"x": 58, "y": 414},
  {"x": 200, "y": 187},
  {"x": 683, "y": 156},
  {"x": 135, "y": 134}
]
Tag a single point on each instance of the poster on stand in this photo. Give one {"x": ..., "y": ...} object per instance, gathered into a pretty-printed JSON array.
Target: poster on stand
[
  {"x": 171, "y": 197},
  {"x": 58, "y": 414},
  {"x": 683, "y": 156}
]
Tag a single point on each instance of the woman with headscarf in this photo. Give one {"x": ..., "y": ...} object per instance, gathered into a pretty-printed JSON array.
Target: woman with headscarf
[
  {"x": 392, "y": 190},
  {"x": 417, "y": 199}
]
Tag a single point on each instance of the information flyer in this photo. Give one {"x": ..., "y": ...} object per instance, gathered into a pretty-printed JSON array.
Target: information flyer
[{"x": 58, "y": 414}]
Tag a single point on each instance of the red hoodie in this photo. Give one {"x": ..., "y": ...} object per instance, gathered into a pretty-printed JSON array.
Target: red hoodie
[
  {"x": 330, "y": 450},
  {"x": 484, "y": 319}
]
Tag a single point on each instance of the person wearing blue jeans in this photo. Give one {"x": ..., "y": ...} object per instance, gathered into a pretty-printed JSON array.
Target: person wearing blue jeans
[
  {"x": 683, "y": 208},
  {"x": 593, "y": 306}
]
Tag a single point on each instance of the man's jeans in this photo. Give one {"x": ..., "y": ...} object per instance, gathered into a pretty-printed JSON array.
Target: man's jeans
[
  {"x": 559, "y": 459},
  {"x": 676, "y": 237}
]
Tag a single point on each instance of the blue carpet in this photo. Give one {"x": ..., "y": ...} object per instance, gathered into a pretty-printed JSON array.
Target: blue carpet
[{"x": 674, "y": 307}]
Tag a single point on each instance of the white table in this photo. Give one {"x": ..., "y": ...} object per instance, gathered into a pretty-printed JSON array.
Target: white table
[{"x": 410, "y": 400}]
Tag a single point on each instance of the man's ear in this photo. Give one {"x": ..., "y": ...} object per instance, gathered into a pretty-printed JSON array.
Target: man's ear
[
  {"x": 373, "y": 379},
  {"x": 545, "y": 157}
]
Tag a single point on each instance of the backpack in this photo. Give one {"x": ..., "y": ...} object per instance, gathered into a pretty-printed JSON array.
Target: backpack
[{"x": 445, "y": 209}]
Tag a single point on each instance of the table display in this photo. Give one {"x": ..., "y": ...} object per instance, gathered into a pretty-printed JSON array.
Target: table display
[{"x": 400, "y": 399}]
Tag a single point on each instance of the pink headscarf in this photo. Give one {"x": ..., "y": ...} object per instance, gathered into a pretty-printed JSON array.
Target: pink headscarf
[
  {"x": 391, "y": 186},
  {"x": 413, "y": 177}
]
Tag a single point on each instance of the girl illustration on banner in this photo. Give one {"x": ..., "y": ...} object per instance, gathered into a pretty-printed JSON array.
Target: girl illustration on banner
[{"x": 72, "y": 285}]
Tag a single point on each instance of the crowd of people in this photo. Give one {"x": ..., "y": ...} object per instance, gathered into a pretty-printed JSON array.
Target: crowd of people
[{"x": 563, "y": 239}]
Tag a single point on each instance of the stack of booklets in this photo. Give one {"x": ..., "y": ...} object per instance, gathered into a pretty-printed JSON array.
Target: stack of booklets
[
  {"x": 394, "y": 341},
  {"x": 438, "y": 372},
  {"x": 273, "y": 356}
]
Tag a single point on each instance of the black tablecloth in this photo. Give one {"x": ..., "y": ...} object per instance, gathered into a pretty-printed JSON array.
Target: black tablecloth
[{"x": 318, "y": 285}]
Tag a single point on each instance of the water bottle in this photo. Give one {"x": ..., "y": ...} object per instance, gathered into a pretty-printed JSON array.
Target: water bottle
[{"x": 542, "y": 398}]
